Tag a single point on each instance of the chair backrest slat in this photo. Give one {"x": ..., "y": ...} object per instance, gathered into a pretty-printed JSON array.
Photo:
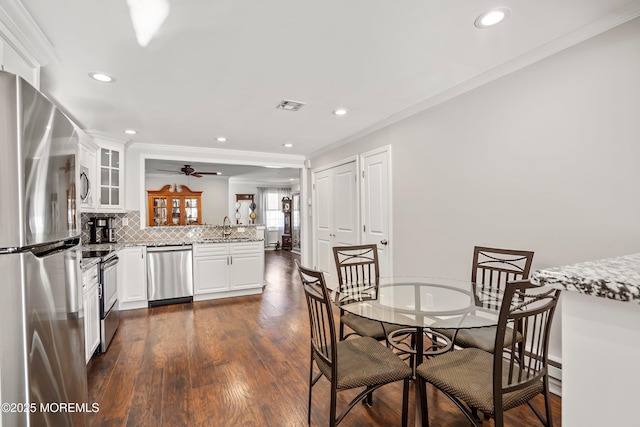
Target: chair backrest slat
[
  {"x": 526, "y": 313},
  {"x": 357, "y": 268},
  {"x": 493, "y": 267},
  {"x": 321, "y": 321}
]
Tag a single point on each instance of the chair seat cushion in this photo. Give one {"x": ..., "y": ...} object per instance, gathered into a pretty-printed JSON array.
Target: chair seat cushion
[
  {"x": 363, "y": 361},
  {"x": 468, "y": 375},
  {"x": 367, "y": 327},
  {"x": 482, "y": 338}
]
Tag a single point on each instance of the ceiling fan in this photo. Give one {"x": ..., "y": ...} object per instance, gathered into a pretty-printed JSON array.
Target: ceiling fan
[{"x": 189, "y": 171}]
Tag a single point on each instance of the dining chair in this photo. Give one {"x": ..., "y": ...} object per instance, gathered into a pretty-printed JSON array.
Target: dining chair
[
  {"x": 509, "y": 376},
  {"x": 349, "y": 364},
  {"x": 492, "y": 268},
  {"x": 358, "y": 270}
]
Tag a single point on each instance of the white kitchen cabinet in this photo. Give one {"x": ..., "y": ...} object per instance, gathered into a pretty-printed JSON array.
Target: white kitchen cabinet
[
  {"x": 91, "y": 304},
  {"x": 222, "y": 270},
  {"x": 246, "y": 265},
  {"x": 132, "y": 277},
  {"x": 110, "y": 175},
  {"x": 18, "y": 62}
]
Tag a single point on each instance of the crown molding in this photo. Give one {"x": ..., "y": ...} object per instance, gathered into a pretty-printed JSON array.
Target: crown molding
[
  {"x": 20, "y": 31},
  {"x": 618, "y": 17}
]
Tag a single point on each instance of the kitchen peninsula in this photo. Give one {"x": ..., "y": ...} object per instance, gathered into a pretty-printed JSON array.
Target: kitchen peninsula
[{"x": 600, "y": 336}]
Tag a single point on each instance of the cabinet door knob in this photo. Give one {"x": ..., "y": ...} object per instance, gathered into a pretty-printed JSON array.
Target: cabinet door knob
[{"x": 384, "y": 242}]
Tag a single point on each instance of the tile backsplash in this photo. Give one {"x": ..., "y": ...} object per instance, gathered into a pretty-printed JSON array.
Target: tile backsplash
[{"x": 131, "y": 233}]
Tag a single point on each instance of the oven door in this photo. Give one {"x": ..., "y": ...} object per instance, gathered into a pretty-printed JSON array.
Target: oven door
[{"x": 109, "y": 284}]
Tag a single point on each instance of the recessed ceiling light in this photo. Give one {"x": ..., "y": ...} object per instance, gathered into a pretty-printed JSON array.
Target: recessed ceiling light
[
  {"x": 492, "y": 17},
  {"x": 221, "y": 139},
  {"x": 287, "y": 145},
  {"x": 102, "y": 77},
  {"x": 130, "y": 132},
  {"x": 340, "y": 111}
]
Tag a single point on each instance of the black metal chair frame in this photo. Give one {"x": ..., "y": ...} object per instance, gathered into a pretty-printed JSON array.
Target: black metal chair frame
[
  {"x": 494, "y": 267},
  {"x": 324, "y": 346},
  {"x": 357, "y": 266},
  {"x": 529, "y": 314}
]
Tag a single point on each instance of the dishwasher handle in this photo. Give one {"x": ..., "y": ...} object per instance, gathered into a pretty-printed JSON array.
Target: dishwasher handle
[
  {"x": 111, "y": 262},
  {"x": 169, "y": 248}
]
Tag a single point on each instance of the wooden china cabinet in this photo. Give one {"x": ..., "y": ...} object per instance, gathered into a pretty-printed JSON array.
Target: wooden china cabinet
[{"x": 170, "y": 207}]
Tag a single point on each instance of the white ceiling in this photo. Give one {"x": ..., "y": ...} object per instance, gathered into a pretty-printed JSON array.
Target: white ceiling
[{"x": 218, "y": 68}]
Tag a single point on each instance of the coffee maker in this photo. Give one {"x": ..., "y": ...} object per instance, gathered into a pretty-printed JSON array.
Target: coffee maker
[{"x": 102, "y": 230}]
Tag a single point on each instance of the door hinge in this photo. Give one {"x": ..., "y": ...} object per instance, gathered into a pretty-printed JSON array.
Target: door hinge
[{"x": 364, "y": 228}]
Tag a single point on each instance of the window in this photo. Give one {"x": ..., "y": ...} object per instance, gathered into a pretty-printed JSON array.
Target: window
[{"x": 273, "y": 211}]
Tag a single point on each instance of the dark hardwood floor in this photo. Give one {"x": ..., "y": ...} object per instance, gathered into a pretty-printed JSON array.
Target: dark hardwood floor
[{"x": 237, "y": 362}]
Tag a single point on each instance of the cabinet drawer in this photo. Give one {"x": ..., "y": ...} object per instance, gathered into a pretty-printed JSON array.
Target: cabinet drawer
[
  {"x": 90, "y": 277},
  {"x": 246, "y": 247},
  {"x": 208, "y": 249}
]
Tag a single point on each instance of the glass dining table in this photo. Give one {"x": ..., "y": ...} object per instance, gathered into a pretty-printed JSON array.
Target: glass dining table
[{"x": 428, "y": 305}]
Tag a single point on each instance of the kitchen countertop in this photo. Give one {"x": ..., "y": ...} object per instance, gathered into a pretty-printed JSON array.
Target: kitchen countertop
[
  {"x": 612, "y": 278},
  {"x": 113, "y": 247},
  {"x": 192, "y": 242}
]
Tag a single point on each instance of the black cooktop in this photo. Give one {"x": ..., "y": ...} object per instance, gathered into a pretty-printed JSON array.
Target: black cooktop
[{"x": 95, "y": 253}]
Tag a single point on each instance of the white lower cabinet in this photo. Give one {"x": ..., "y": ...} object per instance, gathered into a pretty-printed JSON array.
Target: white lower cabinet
[
  {"x": 91, "y": 304},
  {"x": 132, "y": 277},
  {"x": 222, "y": 270}
]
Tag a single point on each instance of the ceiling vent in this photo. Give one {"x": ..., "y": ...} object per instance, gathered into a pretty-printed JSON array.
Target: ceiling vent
[{"x": 289, "y": 105}]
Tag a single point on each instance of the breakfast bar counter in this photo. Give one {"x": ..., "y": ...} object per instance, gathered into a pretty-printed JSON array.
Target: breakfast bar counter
[
  {"x": 613, "y": 278},
  {"x": 600, "y": 339}
]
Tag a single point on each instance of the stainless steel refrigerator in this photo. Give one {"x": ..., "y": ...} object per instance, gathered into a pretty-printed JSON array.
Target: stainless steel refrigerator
[{"x": 43, "y": 380}]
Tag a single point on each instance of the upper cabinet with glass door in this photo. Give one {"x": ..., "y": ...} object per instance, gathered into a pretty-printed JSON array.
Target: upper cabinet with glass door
[{"x": 111, "y": 175}]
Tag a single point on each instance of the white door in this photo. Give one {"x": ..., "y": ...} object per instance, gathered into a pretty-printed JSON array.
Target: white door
[
  {"x": 336, "y": 215},
  {"x": 345, "y": 205},
  {"x": 376, "y": 205},
  {"x": 323, "y": 221}
]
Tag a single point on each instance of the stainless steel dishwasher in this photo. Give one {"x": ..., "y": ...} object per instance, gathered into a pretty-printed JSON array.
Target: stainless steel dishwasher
[{"x": 169, "y": 274}]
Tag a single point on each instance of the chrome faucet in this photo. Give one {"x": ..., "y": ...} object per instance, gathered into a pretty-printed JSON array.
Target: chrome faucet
[{"x": 226, "y": 227}]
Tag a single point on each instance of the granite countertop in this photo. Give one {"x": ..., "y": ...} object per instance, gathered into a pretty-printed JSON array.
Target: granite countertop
[
  {"x": 613, "y": 278},
  {"x": 193, "y": 242},
  {"x": 88, "y": 262}
]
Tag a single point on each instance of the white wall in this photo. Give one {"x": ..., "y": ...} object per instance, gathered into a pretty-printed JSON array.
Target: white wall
[
  {"x": 214, "y": 189},
  {"x": 544, "y": 159}
]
